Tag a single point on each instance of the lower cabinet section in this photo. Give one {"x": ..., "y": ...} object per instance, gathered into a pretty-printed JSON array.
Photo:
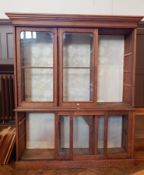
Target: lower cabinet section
[{"x": 73, "y": 135}]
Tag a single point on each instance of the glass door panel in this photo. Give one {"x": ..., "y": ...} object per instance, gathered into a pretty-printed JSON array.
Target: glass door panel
[
  {"x": 78, "y": 66},
  {"x": 37, "y": 65}
]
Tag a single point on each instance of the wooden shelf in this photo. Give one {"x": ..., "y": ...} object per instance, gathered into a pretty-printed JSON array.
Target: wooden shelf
[
  {"x": 81, "y": 151},
  {"x": 38, "y": 154},
  {"x": 116, "y": 150},
  {"x": 97, "y": 107}
]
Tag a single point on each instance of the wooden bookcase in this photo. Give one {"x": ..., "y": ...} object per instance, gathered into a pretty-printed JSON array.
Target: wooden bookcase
[{"x": 74, "y": 84}]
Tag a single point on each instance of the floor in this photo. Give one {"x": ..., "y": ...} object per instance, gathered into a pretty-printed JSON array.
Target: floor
[{"x": 133, "y": 170}]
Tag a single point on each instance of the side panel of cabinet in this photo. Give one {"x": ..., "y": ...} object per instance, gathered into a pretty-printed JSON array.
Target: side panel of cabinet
[{"x": 139, "y": 91}]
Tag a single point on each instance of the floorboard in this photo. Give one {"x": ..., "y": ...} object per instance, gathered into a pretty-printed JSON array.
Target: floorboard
[{"x": 132, "y": 170}]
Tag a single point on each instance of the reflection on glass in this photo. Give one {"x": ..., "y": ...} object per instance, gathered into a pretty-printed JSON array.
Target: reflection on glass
[
  {"x": 77, "y": 66},
  {"x": 110, "y": 68},
  {"x": 64, "y": 139},
  {"x": 37, "y": 65},
  {"x": 100, "y": 135},
  {"x": 81, "y": 134}
]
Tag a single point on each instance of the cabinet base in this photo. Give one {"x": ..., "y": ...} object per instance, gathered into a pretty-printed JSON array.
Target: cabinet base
[{"x": 77, "y": 164}]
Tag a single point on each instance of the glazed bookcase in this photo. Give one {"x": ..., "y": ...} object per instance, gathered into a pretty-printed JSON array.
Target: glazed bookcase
[{"x": 74, "y": 89}]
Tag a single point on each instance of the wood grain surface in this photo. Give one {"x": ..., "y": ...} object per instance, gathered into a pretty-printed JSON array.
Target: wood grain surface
[{"x": 132, "y": 170}]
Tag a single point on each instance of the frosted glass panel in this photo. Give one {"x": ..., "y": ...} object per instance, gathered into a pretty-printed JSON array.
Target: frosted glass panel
[
  {"x": 101, "y": 135},
  {"x": 76, "y": 84},
  {"x": 81, "y": 133},
  {"x": 77, "y": 49},
  {"x": 37, "y": 48},
  {"x": 37, "y": 65},
  {"x": 40, "y": 130},
  {"x": 38, "y": 84},
  {"x": 110, "y": 68},
  {"x": 117, "y": 134},
  {"x": 77, "y": 60},
  {"x": 114, "y": 132}
]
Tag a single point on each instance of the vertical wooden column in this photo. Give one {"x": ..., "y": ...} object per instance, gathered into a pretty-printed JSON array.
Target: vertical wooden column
[
  {"x": 133, "y": 117},
  {"x": 6, "y": 97},
  {"x": 93, "y": 135},
  {"x": 56, "y": 135},
  {"x": 1, "y": 98},
  {"x": 11, "y": 96},
  {"x": 96, "y": 123},
  {"x": 71, "y": 137},
  {"x": 106, "y": 134},
  {"x": 131, "y": 133},
  {"x": 17, "y": 137}
]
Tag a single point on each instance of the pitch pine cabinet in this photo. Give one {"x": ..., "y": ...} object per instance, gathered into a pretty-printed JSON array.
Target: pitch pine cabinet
[{"x": 74, "y": 89}]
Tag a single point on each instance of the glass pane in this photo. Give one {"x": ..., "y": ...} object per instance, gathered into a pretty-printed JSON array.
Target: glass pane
[
  {"x": 76, "y": 85},
  {"x": 38, "y": 84},
  {"x": 117, "y": 134},
  {"x": 40, "y": 136},
  {"x": 81, "y": 134},
  {"x": 37, "y": 49},
  {"x": 37, "y": 65},
  {"x": 77, "y": 66},
  {"x": 110, "y": 69},
  {"x": 64, "y": 139},
  {"x": 77, "y": 49},
  {"x": 100, "y": 135}
]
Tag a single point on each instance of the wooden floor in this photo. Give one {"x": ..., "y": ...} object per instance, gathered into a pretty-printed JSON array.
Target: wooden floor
[{"x": 133, "y": 170}]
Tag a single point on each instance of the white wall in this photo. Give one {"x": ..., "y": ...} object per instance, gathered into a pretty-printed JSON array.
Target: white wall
[{"x": 97, "y": 7}]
